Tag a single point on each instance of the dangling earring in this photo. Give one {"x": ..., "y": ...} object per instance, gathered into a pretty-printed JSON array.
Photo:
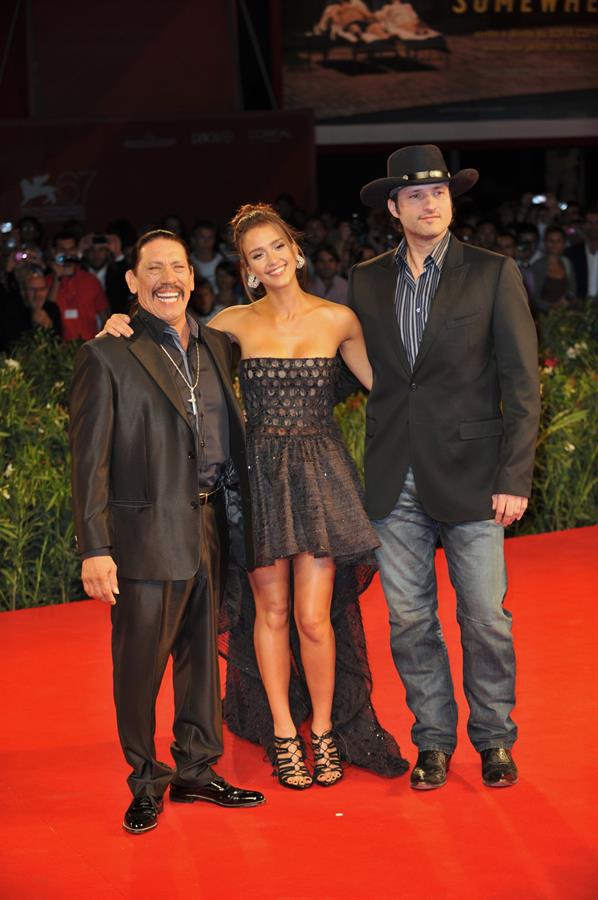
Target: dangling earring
[
  {"x": 300, "y": 261},
  {"x": 253, "y": 281}
]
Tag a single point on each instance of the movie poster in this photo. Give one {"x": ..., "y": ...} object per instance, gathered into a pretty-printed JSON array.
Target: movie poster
[{"x": 394, "y": 71}]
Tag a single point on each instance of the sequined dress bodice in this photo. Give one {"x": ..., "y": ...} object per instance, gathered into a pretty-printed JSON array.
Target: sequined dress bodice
[{"x": 289, "y": 396}]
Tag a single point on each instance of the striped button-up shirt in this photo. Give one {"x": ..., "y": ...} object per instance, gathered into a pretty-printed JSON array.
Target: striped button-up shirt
[{"x": 413, "y": 298}]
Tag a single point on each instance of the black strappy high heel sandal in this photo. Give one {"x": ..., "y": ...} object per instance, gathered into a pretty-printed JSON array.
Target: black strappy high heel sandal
[
  {"x": 327, "y": 759},
  {"x": 290, "y": 763}
]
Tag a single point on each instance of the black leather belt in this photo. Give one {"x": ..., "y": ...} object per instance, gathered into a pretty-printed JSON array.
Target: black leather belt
[{"x": 209, "y": 496}]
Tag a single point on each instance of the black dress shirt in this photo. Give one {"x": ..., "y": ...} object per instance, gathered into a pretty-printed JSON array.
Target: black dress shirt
[{"x": 210, "y": 421}]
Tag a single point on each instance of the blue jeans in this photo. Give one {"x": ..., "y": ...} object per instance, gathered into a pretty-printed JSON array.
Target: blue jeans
[{"x": 475, "y": 556}]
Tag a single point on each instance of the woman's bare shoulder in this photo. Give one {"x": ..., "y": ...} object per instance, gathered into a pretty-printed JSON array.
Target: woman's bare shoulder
[
  {"x": 336, "y": 312},
  {"x": 231, "y": 319}
]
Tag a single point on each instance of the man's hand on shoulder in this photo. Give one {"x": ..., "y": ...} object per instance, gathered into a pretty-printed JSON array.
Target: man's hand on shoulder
[
  {"x": 508, "y": 508},
  {"x": 98, "y": 574},
  {"x": 117, "y": 325}
]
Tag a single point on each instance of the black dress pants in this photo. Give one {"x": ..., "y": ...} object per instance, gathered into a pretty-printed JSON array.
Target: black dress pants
[{"x": 150, "y": 621}]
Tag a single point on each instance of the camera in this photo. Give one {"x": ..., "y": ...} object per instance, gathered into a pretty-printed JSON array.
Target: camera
[
  {"x": 5, "y": 227},
  {"x": 22, "y": 255},
  {"x": 539, "y": 198},
  {"x": 63, "y": 259}
]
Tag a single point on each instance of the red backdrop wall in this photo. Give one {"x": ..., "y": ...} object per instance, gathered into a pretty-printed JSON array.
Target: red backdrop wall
[
  {"x": 142, "y": 60},
  {"x": 144, "y": 170}
]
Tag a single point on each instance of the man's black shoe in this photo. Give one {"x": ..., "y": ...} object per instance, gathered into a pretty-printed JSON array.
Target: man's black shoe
[
  {"x": 220, "y": 792},
  {"x": 142, "y": 814},
  {"x": 498, "y": 768},
  {"x": 430, "y": 770}
]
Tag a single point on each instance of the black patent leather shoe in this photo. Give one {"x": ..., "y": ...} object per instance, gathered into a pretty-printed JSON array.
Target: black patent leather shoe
[
  {"x": 430, "y": 770},
  {"x": 142, "y": 814},
  {"x": 219, "y": 792},
  {"x": 498, "y": 768}
]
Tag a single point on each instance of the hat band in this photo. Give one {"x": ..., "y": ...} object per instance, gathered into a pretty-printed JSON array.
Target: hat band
[{"x": 430, "y": 173}]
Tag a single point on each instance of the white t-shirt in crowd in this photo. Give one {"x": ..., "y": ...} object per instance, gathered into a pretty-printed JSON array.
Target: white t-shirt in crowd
[{"x": 207, "y": 269}]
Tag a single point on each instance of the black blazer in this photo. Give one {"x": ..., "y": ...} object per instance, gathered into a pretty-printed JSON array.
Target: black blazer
[
  {"x": 466, "y": 418},
  {"x": 134, "y": 476},
  {"x": 117, "y": 289},
  {"x": 577, "y": 255}
]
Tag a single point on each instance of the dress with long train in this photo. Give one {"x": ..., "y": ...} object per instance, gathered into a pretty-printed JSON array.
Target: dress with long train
[{"x": 306, "y": 497}]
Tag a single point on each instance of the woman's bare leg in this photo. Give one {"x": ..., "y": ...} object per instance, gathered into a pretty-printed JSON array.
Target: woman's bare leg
[
  {"x": 314, "y": 581},
  {"x": 271, "y": 590},
  {"x": 270, "y": 586}
]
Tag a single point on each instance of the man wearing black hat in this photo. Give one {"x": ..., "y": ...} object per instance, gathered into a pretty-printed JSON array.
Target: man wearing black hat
[{"x": 451, "y": 427}]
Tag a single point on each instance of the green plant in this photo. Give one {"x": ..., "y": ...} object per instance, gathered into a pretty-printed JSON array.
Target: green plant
[
  {"x": 565, "y": 489},
  {"x": 350, "y": 417},
  {"x": 38, "y": 563}
]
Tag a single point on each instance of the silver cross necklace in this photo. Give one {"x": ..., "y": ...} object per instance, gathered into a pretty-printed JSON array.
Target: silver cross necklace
[{"x": 192, "y": 387}]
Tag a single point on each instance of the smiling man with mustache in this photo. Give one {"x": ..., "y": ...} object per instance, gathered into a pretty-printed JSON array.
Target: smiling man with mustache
[
  {"x": 154, "y": 421},
  {"x": 451, "y": 427}
]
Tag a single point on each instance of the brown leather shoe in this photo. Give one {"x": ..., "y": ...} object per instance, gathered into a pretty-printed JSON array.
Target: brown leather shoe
[
  {"x": 430, "y": 770},
  {"x": 498, "y": 768}
]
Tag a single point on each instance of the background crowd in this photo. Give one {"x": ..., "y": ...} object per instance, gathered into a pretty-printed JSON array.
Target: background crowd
[{"x": 71, "y": 280}]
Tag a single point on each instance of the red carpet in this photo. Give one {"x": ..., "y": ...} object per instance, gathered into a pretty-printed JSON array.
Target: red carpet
[{"x": 64, "y": 791}]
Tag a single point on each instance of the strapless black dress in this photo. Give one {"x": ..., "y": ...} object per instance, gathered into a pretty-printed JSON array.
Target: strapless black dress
[
  {"x": 305, "y": 493},
  {"x": 306, "y": 497}
]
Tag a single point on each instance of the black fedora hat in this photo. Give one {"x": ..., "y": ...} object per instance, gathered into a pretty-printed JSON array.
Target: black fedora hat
[{"x": 421, "y": 164}]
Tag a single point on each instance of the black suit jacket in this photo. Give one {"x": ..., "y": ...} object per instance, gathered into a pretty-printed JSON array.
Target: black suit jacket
[
  {"x": 466, "y": 418},
  {"x": 117, "y": 289},
  {"x": 577, "y": 255},
  {"x": 134, "y": 475}
]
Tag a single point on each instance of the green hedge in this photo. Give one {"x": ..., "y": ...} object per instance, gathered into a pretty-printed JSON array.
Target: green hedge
[
  {"x": 37, "y": 559},
  {"x": 38, "y": 564}
]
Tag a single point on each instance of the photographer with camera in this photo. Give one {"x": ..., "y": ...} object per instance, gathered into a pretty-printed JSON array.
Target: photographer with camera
[{"x": 79, "y": 296}]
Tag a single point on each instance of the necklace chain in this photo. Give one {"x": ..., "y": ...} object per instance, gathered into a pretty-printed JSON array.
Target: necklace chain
[{"x": 181, "y": 373}]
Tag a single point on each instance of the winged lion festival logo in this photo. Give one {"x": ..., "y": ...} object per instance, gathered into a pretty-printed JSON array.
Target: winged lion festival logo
[{"x": 36, "y": 188}]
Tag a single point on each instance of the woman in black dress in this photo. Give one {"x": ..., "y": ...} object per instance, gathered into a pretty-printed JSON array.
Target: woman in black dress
[{"x": 308, "y": 522}]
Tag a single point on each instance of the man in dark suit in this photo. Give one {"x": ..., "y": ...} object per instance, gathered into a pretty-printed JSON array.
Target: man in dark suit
[
  {"x": 450, "y": 434},
  {"x": 154, "y": 421},
  {"x": 584, "y": 257}
]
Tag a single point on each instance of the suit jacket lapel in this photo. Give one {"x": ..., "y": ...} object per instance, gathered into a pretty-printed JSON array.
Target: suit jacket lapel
[
  {"x": 214, "y": 349},
  {"x": 451, "y": 280},
  {"x": 148, "y": 352},
  {"x": 387, "y": 282}
]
